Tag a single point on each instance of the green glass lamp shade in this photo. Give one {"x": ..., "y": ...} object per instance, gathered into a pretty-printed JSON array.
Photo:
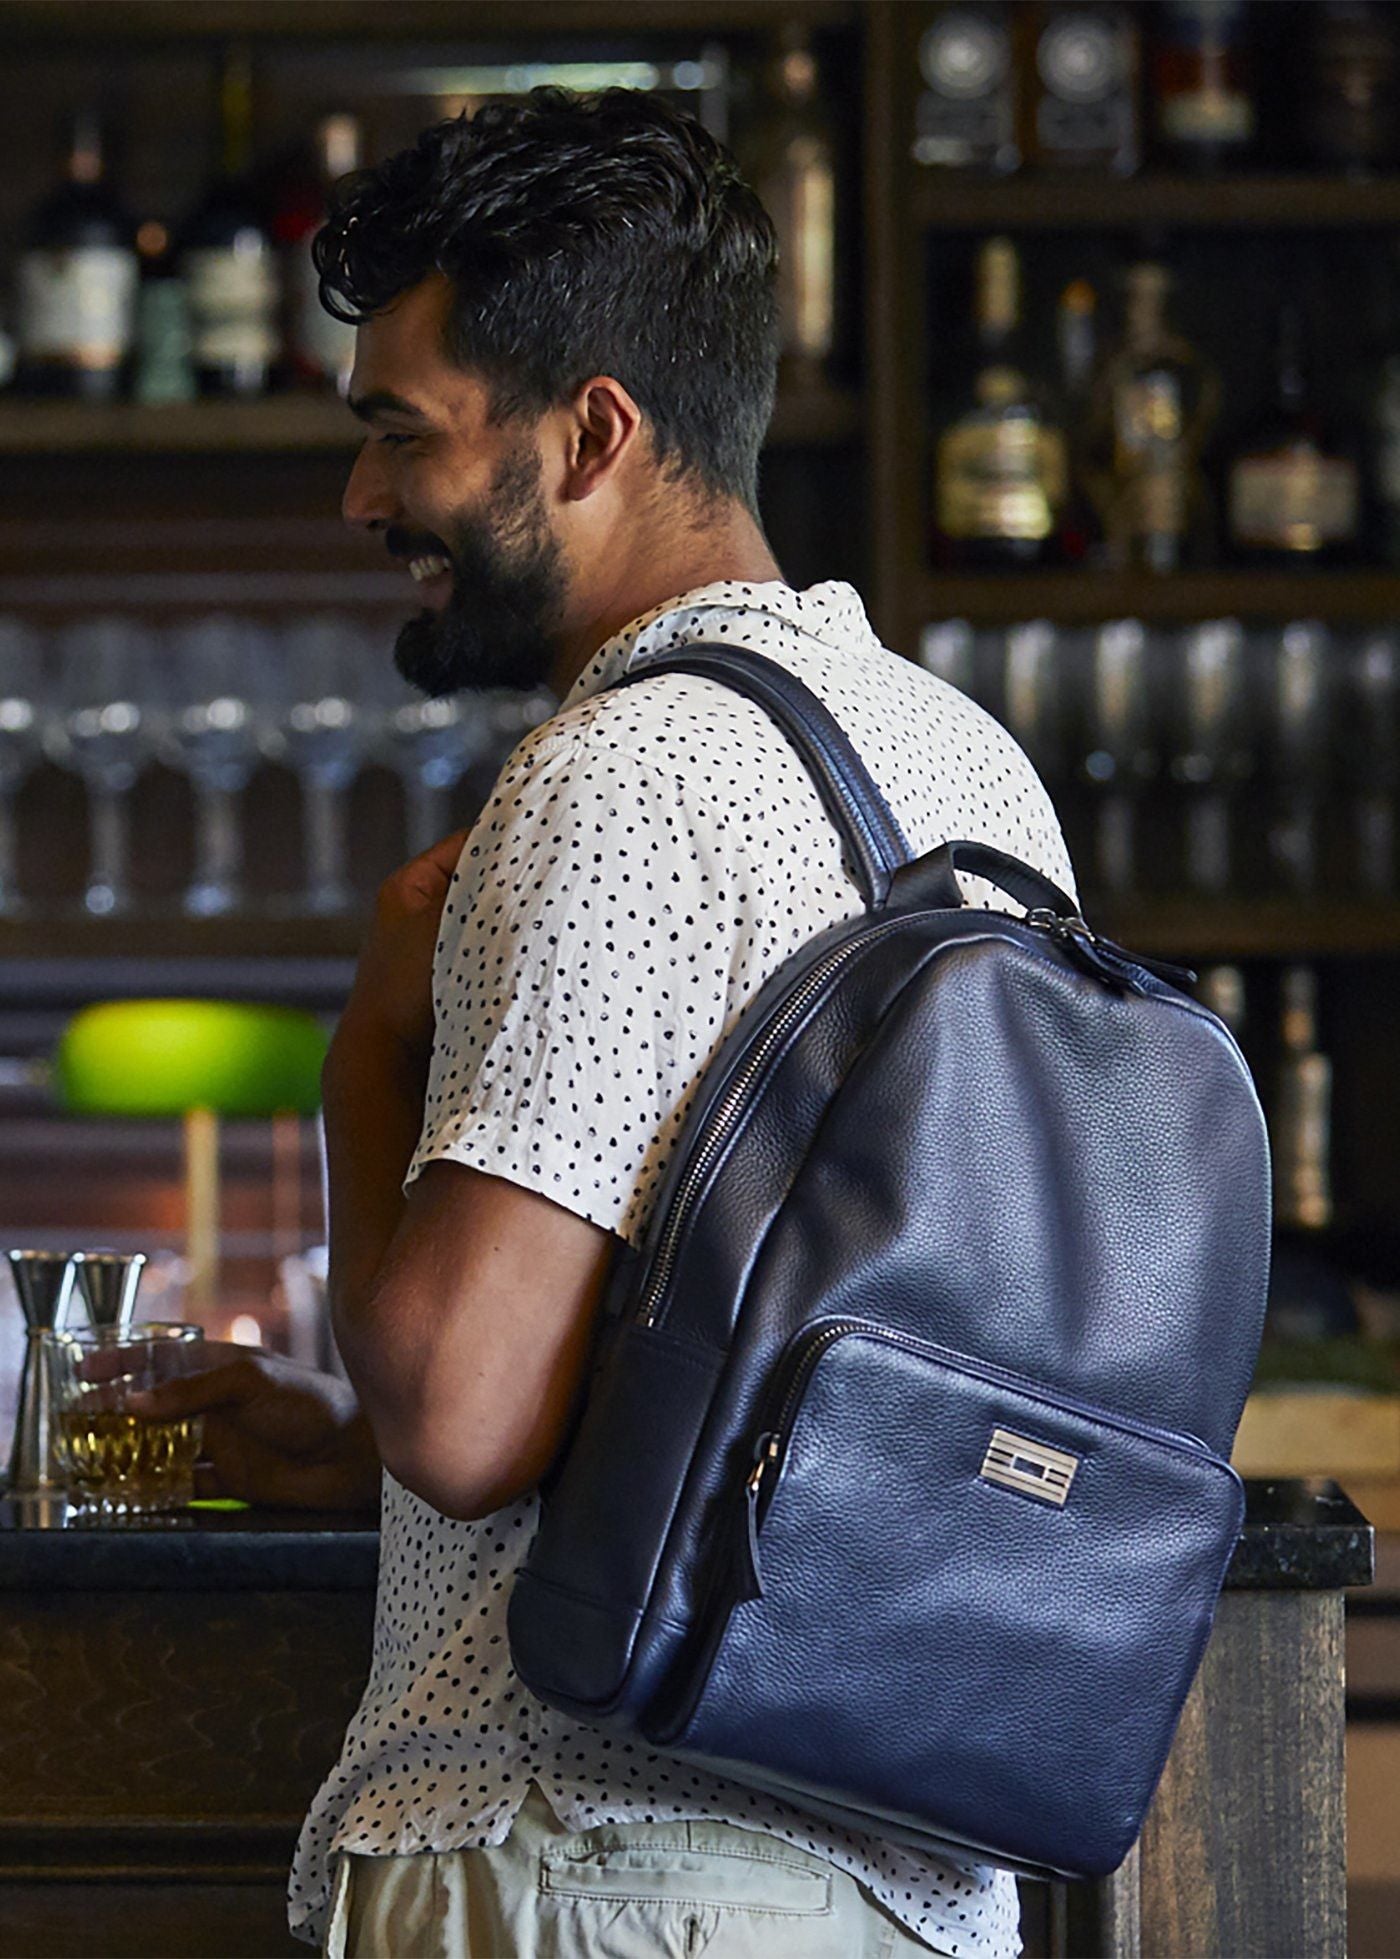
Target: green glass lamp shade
[{"x": 164, "y": 1057}]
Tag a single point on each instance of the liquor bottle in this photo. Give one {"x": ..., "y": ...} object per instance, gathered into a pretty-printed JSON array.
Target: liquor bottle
[
  {"x": 1077, "y": 346},
  {"x": 1202, "y": 83},
  {"x": 1293, "y": 496},
  {"x": 318, "y": 350},
  {"x": 1085, "y": 84},
  {"x": 227, "y": 260},
  {"x": 77, "y": 281},
  {"x": 794, "y": 172},
  {"x": 1385, "y": 461},
  {"x": 1350, "y": 84},
  {"x": 1001, "y": 473},
  {"x": 163, "y": 372},
  {"x": 966, "y": 116},
  {"x": 1308, "y": 1294},
  {"x": 1155, "y": 401}
]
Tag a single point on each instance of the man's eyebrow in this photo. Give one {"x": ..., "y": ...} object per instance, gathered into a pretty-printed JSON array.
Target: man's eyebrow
[{"x": 383, "y": 401}]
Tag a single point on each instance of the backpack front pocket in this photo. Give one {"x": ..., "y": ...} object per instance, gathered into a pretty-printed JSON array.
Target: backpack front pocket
[{"x": 958, "y": 1602}]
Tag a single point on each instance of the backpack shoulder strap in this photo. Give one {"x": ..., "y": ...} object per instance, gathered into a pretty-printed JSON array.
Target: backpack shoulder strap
[{"x": 874, "y": 840}]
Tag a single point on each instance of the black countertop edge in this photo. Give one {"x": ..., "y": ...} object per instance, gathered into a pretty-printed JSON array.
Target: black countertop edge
[{"x": 1303, "y": 1535}]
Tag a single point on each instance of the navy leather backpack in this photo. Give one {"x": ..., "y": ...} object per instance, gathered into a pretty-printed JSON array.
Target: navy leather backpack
[{"x": 901, "y": 1485}]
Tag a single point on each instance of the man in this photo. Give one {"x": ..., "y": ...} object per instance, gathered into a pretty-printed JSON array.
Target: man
[{"x": 565, "y": 364}]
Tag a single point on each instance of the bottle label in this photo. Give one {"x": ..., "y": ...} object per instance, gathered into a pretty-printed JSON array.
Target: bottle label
[
  {"x": 233, "y": 306},
  {"x": 1296, "y": 502},
  {"x": 1209, "y": 114},
  {"x": 323, "y": 342},
  {"x": 78, "y": 307},
  {"x": 1003, "y": 479}
]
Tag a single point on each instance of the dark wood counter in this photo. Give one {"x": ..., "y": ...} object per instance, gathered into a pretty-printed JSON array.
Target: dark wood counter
[{"x": 174, "y": 1692}]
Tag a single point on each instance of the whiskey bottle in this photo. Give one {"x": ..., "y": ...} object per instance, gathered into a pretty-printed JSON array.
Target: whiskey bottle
[
  {"x": 966, "y": 117},
  {"x": 1202, "y": 83},
  {"x": 1155, "y": 401},
  {"x": 1294, "y": 496},
  {"x": 318, "y": 350},
  {"x": 1001, "y": 473},
  {"x": 1085, "y": 83},
  {"x": 77, "y": 280},
  {"x": 227, "y": 261},
  {"x": 794, "y": 173}
]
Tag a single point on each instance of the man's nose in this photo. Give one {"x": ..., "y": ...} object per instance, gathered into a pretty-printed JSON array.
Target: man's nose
[{"x": 368, "y": 503}]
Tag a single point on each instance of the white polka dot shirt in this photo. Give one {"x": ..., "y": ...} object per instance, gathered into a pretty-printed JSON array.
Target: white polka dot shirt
[{"x": 646, "y": 860}]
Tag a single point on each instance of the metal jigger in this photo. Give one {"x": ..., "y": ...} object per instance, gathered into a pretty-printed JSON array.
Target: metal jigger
[
  {"x": 108, "y": 1283},
  {"x": 44, "y": 1283}
]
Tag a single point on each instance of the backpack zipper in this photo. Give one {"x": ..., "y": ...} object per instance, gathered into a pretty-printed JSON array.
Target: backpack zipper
[
  {"x": 1070, "y": 934},
  {"x": 723, "y": 1119}
]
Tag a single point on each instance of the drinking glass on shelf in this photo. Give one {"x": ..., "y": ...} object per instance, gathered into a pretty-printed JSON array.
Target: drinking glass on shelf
[
  {"x": 1296, "y": 701},
  {"x": 21, "y": 706},
  {"x": 1033, "y": 698},
  {"x": 1119, "y": 760},
  {"x": 947, "y": 648},
  {"x": 216, "y": 678},
  {"x": 1210, "y": 756},
  {"x": 101, "y": 724},
  {"x": 1373, "y": 766},
  {"x": 431, "y": 744},
  {"x": 511, "y": 712},
  {"x": 325, "y": 725}
]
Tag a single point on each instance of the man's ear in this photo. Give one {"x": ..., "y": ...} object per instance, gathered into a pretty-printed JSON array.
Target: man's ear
[{"x": 603, "y": 423}]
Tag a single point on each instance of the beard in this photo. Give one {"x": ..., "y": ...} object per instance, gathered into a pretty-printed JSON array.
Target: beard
[{"x": 508, "y": 591}]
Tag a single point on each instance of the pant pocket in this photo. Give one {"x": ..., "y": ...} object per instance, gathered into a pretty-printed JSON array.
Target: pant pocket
[
  {"x": 338, "y": 1913},
  {"x": 733, "y": 1880}
]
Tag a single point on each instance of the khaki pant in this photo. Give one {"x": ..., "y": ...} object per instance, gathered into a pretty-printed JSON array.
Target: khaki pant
[{"x": 620, "y": 1891}]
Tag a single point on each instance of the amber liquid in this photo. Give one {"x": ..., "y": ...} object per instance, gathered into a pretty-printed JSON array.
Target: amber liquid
[{"x": 116, "y": 1460}]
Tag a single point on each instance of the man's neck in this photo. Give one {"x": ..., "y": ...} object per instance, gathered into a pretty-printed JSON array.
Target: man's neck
[{"x": 698, "y": 559}]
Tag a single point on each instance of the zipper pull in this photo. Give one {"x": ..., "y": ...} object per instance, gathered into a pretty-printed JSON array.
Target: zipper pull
[
  {"x": 748, "y": 1580},
  {"x": 1101, "y": 957}
]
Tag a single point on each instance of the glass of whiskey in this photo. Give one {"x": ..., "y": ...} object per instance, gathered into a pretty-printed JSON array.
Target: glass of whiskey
[{"x": 116, "y": 1458}]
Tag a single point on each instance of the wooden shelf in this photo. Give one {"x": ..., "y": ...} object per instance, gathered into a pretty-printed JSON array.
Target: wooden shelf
[
  {"x": 294, "y": 424},
  {"x": 945, "y": 201},
  {"x": 1081, "y": 597},
  {"x": 91, "y": 21},
  {"x": 1187, "y": 928},
  {"x": 1208, "y": 929},
  {"x": 169, "y": 936}
]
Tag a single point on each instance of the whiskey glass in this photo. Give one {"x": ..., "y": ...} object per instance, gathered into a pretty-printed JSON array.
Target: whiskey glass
[{"x": 117, "y": 1459}]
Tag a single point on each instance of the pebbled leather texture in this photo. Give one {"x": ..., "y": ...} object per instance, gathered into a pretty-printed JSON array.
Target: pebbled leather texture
[{"x": 941, "y": 1122}]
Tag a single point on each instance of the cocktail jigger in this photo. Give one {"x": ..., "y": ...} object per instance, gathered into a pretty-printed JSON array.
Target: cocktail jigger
[
  {"x": 44, "y": 1283},
  {"x": 107, "y": 1282}
]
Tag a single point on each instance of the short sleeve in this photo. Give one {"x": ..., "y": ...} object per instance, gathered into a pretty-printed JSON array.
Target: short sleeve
[{"x": 588, "y": 944}]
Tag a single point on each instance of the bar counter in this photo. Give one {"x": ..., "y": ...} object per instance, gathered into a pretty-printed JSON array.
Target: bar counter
[{"x": 173, "y": 1692}]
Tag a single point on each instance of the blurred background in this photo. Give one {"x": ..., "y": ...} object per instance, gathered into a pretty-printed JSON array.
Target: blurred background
[{"x": 1091, "y": 384}]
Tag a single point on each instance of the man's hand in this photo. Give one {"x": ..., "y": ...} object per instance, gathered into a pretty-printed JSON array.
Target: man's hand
[
  {"x": 393, "y": 987},
  {"x": 275, "y": 1432}
]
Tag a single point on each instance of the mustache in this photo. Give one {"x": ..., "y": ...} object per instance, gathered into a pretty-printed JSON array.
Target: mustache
[{"x": 414, "y": 544}]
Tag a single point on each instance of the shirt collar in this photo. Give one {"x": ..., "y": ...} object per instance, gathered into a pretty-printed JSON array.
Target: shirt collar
[{"x": 831, "y": 612}]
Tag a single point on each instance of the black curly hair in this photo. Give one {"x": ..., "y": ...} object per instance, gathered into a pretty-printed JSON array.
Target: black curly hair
[{"x": 604, "y": 234}]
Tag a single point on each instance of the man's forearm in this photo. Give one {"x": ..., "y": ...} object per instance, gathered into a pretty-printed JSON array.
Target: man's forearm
[{"x": 373, "y": 1091}]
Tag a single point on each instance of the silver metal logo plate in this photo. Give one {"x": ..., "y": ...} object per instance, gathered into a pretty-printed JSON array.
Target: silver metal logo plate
[{"x": 1033, "y": 1468}]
